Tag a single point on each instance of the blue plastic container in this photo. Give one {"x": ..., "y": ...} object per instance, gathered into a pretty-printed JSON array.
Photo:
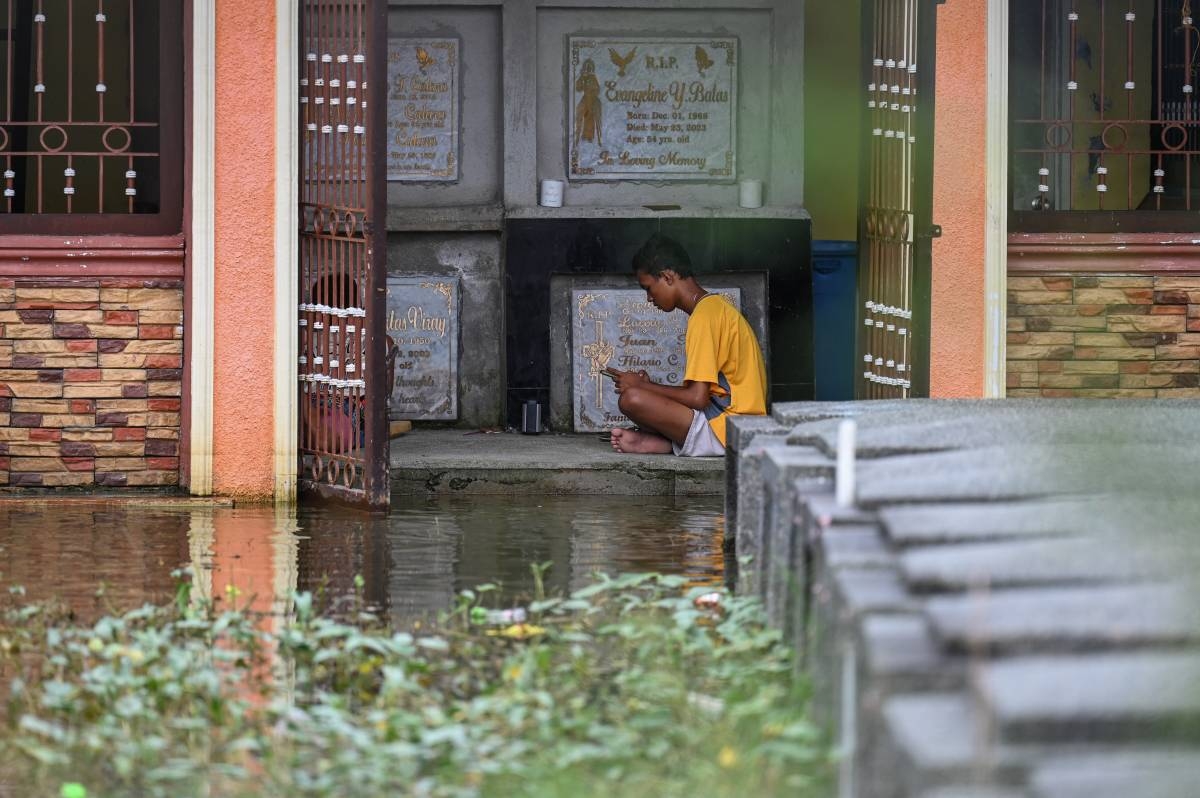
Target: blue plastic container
[{"x": 834, "y": 281}]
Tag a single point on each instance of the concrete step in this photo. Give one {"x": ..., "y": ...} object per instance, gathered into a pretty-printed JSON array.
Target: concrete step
[{"x": 463, "y": 462}]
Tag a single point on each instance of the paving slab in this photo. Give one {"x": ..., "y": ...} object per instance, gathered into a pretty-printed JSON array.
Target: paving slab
[
  {"x": 939, "y": 739},
  {"x": 975, "y": 791},
  {"x": 1078, "y": 619},
  {"x": 909, "y": 525},
  {"x": 899, "y": 652},
  {"x": 452, "y": 461},
  {"x": 996, "y": 473},
  {"x": 1145, "y": 696},
  {"x": 1164, "y": 773},
  {"x": 1020, "y": 563},
  {"x": 863, "y": 590},
  {"x": 853, "y": 546},
  {"x": 936, "y": 425}
]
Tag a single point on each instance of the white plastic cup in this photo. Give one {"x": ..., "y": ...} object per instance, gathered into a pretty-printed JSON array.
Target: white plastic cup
[
  {"x": 750, "y": 193},
  {"x": 551, "y": 194}
]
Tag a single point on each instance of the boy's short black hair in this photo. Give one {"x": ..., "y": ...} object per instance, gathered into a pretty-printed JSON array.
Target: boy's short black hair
[{"x": 660, "y": 253}]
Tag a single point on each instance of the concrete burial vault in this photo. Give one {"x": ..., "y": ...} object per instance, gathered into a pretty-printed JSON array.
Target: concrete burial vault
[{"x": 1006, "y": 609}]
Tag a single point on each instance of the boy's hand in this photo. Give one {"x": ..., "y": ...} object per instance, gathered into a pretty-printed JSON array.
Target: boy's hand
[{"x": 630, "y": 379}]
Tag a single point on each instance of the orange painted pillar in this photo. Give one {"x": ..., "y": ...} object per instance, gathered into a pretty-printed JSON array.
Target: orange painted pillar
[
  {"x": 244, "y": 249},
  {"x": 956, "y": 357}
]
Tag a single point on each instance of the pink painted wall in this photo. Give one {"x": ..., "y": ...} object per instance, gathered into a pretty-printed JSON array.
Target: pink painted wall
[
  {"x": 959, "y": 179},
  {"x": 244, "y": 249}
]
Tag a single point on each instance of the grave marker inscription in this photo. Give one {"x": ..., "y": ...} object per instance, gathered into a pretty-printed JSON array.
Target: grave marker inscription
[
  {"x": 423, "y": 109},
  {"x": 618, "y": 328},
  {"x": 652, "y": 108},
  {"x": 422, "y": 325}
]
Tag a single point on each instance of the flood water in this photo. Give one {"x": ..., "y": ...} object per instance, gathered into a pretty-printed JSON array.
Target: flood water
[{"x": 101, "y": 559}]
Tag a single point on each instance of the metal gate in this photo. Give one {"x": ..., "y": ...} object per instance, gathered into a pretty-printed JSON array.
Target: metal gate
[
  {"x": 343, "y": 279},
  {"x": 894, "y": 220}
]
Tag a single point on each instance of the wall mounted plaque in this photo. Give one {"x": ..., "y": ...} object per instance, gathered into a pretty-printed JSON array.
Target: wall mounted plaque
[
  {"x": 619, "y": 329},
  {"x": 422, "y": 328},
  {"x": 652, "y": 109},
  {"x": 422, "y": 109}
]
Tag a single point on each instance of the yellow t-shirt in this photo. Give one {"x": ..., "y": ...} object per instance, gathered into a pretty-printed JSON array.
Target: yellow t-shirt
[{"x": 722, "y": 349}]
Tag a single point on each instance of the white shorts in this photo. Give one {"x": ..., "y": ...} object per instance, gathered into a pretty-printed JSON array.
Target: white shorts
[{"x": 701, "y": 441}]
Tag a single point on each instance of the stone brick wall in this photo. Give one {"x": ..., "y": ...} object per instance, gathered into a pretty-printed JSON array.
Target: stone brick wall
[
  {"x": 90, "y": 381},
  {"x": 1103, "y": 336}
]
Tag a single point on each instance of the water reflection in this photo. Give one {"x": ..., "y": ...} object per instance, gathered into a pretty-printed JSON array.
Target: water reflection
[
  {"x": 95, "y": 558},
  {"x": 414, "y": 561},
  {"x": 103, "y": 559}
]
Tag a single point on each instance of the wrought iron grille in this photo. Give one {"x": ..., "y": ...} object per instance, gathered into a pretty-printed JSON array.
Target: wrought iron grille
[
  {"x": 338, "y": 246},
  {"x": 1104, "y": 110},
  {"x": 82, "y": 128},
  {"x": 888, "y": 223}
]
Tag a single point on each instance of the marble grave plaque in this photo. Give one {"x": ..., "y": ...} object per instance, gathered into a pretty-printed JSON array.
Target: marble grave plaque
[
  {"x": 422, "y": 323},
  {"x": 619, "y": 329},
  {"x": 652, "y": 108},
  {"x": 422, "y": 109}
]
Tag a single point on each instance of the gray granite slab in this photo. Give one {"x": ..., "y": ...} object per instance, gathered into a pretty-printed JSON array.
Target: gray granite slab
[
  {"x": 862, "y": 590},
  {"x": 901, "y": 646},
  {"x": 740, "y": 433},
  {"x": 1155, "y": 773},
  {"x": 1066, "y": 619},
  {"x": 967, "y": 522},
  {"x": 853, "y": 546},
  {"x": 1029, "y": 471},
  {"x": 940, "y": 736},
  {"x": 975, "y": 791},
  {"x": 936, "y": 425},
  {"x": 1021, "y": 563},
  {"x": 1151, "y": 695},
  {"x": 744, "y": 512},
  {"x": 788, "y": 474}
]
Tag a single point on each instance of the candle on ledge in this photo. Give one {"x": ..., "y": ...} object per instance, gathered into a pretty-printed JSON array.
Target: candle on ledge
[{"x": 750, "y": 193}]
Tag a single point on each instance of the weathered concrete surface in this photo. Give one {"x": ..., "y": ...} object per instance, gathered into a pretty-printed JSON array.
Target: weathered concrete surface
[
  {"x": 451, "y": 461},
  {"x": 1009, "y": 602},
  {"x": 474, "y": 258}
]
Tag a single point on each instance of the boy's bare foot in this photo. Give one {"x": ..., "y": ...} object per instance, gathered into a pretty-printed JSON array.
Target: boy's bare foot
[{"x": 632, "y": 441}]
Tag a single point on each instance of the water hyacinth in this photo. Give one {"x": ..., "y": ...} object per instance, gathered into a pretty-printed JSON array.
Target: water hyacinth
[{"x": 629, "y": 684}]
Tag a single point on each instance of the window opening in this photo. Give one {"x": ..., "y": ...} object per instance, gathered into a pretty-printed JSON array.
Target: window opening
[
  {"x": 90, "y": 111},
  {"x": 1105, "y": 129}
]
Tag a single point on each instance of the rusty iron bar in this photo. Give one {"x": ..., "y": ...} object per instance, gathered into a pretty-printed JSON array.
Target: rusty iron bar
[
  {"x": 339, "y": 435},
  {"x": 53, "y": 132},
  {"x": 1156, "y": 144}
]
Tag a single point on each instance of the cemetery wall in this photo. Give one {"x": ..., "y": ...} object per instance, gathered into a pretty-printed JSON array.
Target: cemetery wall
[{"x": 515, "y": 102}]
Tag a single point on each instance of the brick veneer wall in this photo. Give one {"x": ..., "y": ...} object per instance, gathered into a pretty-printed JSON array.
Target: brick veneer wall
[
  {"x": 90, "y": 381},
  {"x": 1103, "y": 335}
]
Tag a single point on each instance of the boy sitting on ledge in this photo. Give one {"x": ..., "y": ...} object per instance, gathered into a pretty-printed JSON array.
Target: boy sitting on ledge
[{"x": 725, "y": 374}]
